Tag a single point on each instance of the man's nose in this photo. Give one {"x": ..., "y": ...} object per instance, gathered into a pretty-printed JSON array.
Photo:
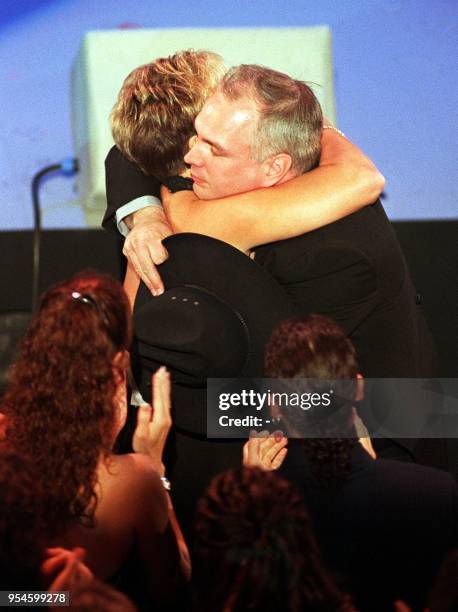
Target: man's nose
[{"x": 193, "y": 156}]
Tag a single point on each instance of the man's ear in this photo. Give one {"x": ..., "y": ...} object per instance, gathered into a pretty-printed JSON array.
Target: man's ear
[
  {"x": 359, "y": 396},
  {"x": 276, "y": 169}
]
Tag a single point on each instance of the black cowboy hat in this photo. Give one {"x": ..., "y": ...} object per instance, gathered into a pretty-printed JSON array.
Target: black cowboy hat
[{"x": 213, "y": 321}]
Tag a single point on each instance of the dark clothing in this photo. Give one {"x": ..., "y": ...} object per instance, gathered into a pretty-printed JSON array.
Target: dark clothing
[
  {"x": 385, "y": 529},
  {"x": 124, "y": 182},
  {"x": 352, "y": 270}
]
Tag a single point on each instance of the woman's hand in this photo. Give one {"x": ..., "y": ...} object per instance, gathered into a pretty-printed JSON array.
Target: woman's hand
[
  {"x": 65, "y": 568},
  {"x": 264, "y": 451},
  {"x": 153, "y": 423},
  {"x": 363, "y": 435},
  {"x": 366, "y": 443}
]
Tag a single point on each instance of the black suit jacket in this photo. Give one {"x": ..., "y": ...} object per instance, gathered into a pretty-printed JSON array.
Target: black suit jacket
[
  {"x": 354, "y": 271},
  {"x": 385, "y": 529},
  {"x": 124, "y": 182}
]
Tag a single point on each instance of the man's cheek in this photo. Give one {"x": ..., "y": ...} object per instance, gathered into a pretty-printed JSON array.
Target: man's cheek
[{"x": 203, "y": 192}]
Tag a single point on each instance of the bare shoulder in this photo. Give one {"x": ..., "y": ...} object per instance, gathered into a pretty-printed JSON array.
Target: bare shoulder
[
  {"x": 135, "y": 470},
  {"x": 140, "y": 486}
]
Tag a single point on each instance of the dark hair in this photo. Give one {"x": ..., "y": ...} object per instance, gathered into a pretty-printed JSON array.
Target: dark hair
[
  {"x": 316, "y": 348},
  {"x": 290, "y": 118},
  {"x": 59, "y": 403},
  {"x": 21, "y": 524},
  {"x": 255, "y": 548}
]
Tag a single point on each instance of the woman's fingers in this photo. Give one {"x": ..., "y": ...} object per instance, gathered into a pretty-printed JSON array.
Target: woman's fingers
[
  {"x": 143, "y": 420},
  {"x": 161, "y": 395},
  {"x": 280, "y": 457},
  {"x": 274, "y": 448},
  {"x": 245, "y": 452},
  {"x": 153, "y": 423},
  {"x": 251, "y": 452},
  {"x": 68, "y": 567},
  {"x": 141, "y": 435},
  {"x": 272, "y": 455},
  {"x": 267, "y": 453},
  {"x": 50, "y": 565}
]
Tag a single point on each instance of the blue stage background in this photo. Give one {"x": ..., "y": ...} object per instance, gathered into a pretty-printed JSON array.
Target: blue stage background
[{"x": 395, "y": 74}]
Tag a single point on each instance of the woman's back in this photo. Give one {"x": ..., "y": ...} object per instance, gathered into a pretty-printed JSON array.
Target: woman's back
[
  {"x": 65, "y": 406},
  {"x": 131, "y": 525}
]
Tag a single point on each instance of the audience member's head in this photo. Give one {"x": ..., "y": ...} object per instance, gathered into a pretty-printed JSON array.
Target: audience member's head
[
  {"x": 255, "y": 548},
  {"x": 21, "y": 525},
  {"x": 60, "y": 405},
  {"x": 153, "y": 119},
  {"x": 289, "y": 115},
  {"x": 317, "y": 349}
]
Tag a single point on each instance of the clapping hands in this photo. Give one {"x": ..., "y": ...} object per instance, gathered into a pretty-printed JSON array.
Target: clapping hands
[
  {"x": 265, "y": 451},
  {"x": 154, "y": 422}
]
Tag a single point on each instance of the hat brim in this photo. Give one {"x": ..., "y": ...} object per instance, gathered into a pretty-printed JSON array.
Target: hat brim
[{"x": 198, "y": 261}]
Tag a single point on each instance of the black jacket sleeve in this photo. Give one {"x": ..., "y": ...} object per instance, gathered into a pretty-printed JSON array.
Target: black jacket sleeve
[{"x": 124, "y": 182}]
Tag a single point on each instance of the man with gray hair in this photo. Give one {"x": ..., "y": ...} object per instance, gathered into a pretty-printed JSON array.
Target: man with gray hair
[{"x": 260, "y": 128}]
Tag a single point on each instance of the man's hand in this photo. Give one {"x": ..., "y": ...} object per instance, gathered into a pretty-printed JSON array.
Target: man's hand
[
  {"x": 143, "y": 246},
  {"x": 153, "y": 424},
  {"x": 264, "y": 451}
]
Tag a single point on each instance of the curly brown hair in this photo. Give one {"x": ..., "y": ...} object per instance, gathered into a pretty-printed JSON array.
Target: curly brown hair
[
  {"x": 317, "y": 349},
  {"x": 59, "y": 403},
  {"x": 21, "y": 524},
  {"x": 255, "y": 548}
]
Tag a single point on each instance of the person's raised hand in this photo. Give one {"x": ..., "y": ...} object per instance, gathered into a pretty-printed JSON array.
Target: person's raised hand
[
  {"x": 143, "y": 246},
  {"x": 154, "y": 422},
  {"x": 66, "y": 568},
  {"x": 366, "y": 443},
  {"x": 265, "y": 451}
]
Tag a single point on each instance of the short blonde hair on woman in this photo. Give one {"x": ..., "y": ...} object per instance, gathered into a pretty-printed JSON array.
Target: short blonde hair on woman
[{"x": 153, "y": 117}]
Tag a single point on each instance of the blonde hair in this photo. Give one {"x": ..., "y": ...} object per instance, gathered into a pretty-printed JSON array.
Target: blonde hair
[
  {"x": 290, "y": 117},
  {"x": 153, "y": 117}
]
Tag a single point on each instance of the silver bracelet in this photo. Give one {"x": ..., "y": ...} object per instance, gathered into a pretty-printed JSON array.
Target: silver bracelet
[
  {"x": 332, "y": 127},
  {"x": 166, "y": 483}
]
